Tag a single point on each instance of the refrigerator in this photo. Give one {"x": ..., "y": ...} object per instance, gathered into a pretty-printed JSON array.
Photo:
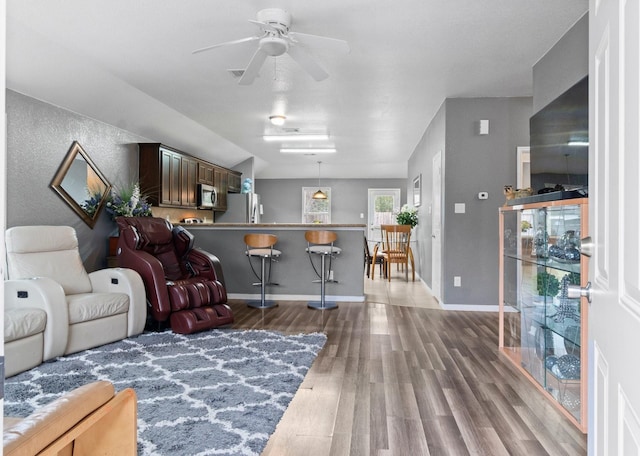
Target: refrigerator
[{"x": 241, "y": 208}]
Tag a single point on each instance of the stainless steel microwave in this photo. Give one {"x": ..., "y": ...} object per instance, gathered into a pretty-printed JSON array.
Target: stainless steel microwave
[{"x": 207, "y": 196}]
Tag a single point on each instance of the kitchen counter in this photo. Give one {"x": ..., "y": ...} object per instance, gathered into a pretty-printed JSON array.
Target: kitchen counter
[
  {"x": 319, "y": 226},
  {"x": 293, "y": 271}
]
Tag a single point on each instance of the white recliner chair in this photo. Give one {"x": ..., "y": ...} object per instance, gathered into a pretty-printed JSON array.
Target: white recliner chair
[
  {"x": 82, "y": 310},
  {"x": 33, "y": 331}
]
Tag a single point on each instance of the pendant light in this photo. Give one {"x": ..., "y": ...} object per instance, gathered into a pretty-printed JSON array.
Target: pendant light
[{"x": 319, "y": 195}]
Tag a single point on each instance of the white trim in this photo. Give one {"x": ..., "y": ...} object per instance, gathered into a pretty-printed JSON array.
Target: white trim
[
  {"x": 282, "y": 297},
  {"x": 473, "y": 307}
]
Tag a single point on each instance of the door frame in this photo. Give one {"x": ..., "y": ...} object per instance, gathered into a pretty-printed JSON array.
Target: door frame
[
  {"x": 436, "y": 226},
  {"x": 373, "y": 232}
]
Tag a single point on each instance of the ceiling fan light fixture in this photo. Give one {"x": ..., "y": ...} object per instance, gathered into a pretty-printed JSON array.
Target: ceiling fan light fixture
[
  {"x": 308, "y": 151},
  {"x": 274, "y": 45},
  {"x": 304, "y": 137},
  {"x": 277, "y": 120}
]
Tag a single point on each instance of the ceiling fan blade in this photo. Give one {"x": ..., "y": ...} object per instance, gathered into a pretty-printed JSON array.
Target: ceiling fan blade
[
  {"x": 307, "y": 62},
  {"x": 228, "y": 43},
  {"x": 254, "y": 66},
  {"x": 305, "y": 38},
  {"x": 264, "y": 25}
]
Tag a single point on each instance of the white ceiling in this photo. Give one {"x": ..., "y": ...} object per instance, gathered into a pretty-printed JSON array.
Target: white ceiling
[{"x": 129, "y": 63}]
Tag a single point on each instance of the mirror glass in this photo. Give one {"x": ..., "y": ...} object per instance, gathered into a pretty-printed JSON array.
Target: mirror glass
[{"x": 81, "y": 184}]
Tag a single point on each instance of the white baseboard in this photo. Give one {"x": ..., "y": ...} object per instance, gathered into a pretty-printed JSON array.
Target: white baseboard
[
  {"x": 471, "y": 307},
  {"x": 283, "y": 297}
]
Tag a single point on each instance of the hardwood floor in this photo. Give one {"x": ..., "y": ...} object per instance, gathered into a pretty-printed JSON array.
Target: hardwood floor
[{"x": 398, "y": 376}]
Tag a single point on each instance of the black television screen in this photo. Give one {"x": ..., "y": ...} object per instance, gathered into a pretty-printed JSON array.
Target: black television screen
[{"x": 559, "y": 141}]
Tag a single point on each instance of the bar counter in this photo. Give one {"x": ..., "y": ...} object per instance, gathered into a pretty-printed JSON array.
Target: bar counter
[{"x": 293, "y": 271}]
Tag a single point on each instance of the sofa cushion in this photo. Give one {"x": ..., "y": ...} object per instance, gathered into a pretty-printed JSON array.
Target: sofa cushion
[
  {"x": 91, "y": 306},
  {"x": 51, "y": 252},
  {"x": 21, "y": 323}
]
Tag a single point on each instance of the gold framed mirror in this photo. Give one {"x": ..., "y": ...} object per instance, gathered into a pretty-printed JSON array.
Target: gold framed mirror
[{"x": 81, "y": 185}]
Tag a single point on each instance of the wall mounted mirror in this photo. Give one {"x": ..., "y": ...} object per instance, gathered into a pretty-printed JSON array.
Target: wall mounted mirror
[{"x": 81, "y": 185}]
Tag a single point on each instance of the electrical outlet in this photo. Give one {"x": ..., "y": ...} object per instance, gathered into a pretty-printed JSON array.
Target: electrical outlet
[{"x": 457, "y": 281}]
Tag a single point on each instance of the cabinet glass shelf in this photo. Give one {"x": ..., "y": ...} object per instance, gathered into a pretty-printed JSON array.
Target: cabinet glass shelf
[{"x": 542, "y": 330}]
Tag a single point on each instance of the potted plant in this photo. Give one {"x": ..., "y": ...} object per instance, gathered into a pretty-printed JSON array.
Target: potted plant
[
  {"x": 547, "y": 284},
  {"x": 407, "y": 216},
  {"x": 127, "y": 201}
]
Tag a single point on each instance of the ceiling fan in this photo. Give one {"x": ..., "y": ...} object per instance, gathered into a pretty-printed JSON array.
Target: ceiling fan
[{"x": 275, "y": 39}]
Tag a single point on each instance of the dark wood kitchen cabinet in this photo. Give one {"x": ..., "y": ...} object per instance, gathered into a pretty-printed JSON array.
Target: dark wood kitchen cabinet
[
  {"x": 170, "y": 178},
  {"x": 167, "y": 176},
  {"x": 189, "y": 167},
  {"x": 234, "y": 182},
  {"x": 205, "y": 173},
  {"x": 220, "y": 183}
]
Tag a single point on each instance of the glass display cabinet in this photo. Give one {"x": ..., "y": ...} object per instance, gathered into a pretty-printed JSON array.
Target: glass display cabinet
[{"x": 542, "y": 329}]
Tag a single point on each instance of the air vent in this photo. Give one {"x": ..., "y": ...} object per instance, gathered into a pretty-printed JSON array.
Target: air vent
[{"x": 236, "y": 73}]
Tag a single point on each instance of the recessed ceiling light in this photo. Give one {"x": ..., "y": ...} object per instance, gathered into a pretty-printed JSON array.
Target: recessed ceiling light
[
  {"x": 309, "y": 151},
  {"x": 314, "y": 137},
  {"x": 277, "y": 120}
]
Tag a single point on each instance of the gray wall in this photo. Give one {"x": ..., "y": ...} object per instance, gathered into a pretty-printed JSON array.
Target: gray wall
[
  {"x": 282, "y": 198},
  {"x": 565, "y": 64},
  {"x": 472, "y": 163},
  {"x": 39, "y": 136},
  {"x": 421, "y": 161},
  {"x": 476, "y": 163}
]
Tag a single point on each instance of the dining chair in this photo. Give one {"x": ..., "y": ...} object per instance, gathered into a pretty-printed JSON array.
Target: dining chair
[
  {"x": 370, "y": 261},
  {"x": 396, "y": 249}
]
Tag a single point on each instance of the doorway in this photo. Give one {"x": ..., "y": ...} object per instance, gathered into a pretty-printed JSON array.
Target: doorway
[
  {"x": 436, "y": 226},
  {"x": 383, "y": 204},
  {"x": 524, "y": 167}
]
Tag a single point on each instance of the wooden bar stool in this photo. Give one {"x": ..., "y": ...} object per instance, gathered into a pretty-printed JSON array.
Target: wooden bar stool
[
  {"x": 321, "y": 243},
  {"x": 260, "y": 245}
]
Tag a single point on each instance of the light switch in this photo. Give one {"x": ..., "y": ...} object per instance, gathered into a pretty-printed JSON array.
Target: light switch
[
  {"x": 459, "y": 208},
  {"x": 483, "y": 127}
]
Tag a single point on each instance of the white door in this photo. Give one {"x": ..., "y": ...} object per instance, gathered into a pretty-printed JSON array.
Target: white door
[
  {"x": 436, "y": 227},
  {"x": 384, "y": 204},
  {"x": 614, "y": 269}
]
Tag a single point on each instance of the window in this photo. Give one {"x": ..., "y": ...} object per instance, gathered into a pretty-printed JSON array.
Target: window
[
  {"x": 316, "y": 211},
  {"x": 384, "y": 204}
]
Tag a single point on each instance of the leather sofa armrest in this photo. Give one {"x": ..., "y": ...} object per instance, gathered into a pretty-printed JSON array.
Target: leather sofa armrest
[
  {"x": 90, "y": 419},
  {"x": 206, "y": 264},
  {"x": 152, "y": 273},
  {"x": 128, "y": 281},
  {"x": 46, "y": 294}
]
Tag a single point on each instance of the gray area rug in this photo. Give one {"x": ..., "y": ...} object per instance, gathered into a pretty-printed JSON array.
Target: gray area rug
[{"x": 221, "y": 392}]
